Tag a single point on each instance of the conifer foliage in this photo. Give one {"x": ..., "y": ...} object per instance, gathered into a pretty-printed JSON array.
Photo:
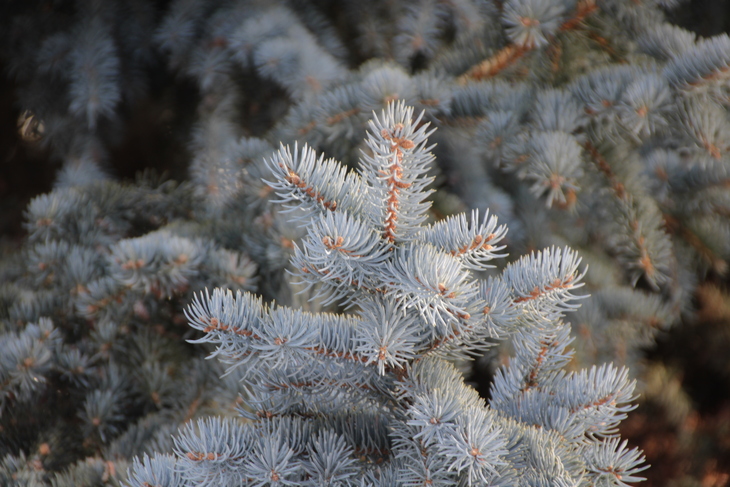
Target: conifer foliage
[
  {"x": 93, "y": 365},
  {"x": 370, "y": 396},
  {"x": 589, "y": 124}
]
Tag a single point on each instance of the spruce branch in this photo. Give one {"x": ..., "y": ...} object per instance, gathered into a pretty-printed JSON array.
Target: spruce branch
[
  {"x": 530, "y": 24},
  {"x": 415, "y": 301}
]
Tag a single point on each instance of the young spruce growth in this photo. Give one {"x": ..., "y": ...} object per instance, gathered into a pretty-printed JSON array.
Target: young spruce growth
[{"x": 371, "y": 398}]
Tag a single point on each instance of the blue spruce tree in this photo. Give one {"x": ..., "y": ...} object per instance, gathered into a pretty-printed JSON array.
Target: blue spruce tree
[
  {"x": 592, "y": 124},
  {"x": 371, "y": 396}
]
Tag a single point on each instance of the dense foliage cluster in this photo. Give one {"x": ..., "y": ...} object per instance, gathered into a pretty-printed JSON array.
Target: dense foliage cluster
[
  {"x": 589, "y": 124},
  {"x": 371, "y": 398},
  {"x": 93, "y": 362}
]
